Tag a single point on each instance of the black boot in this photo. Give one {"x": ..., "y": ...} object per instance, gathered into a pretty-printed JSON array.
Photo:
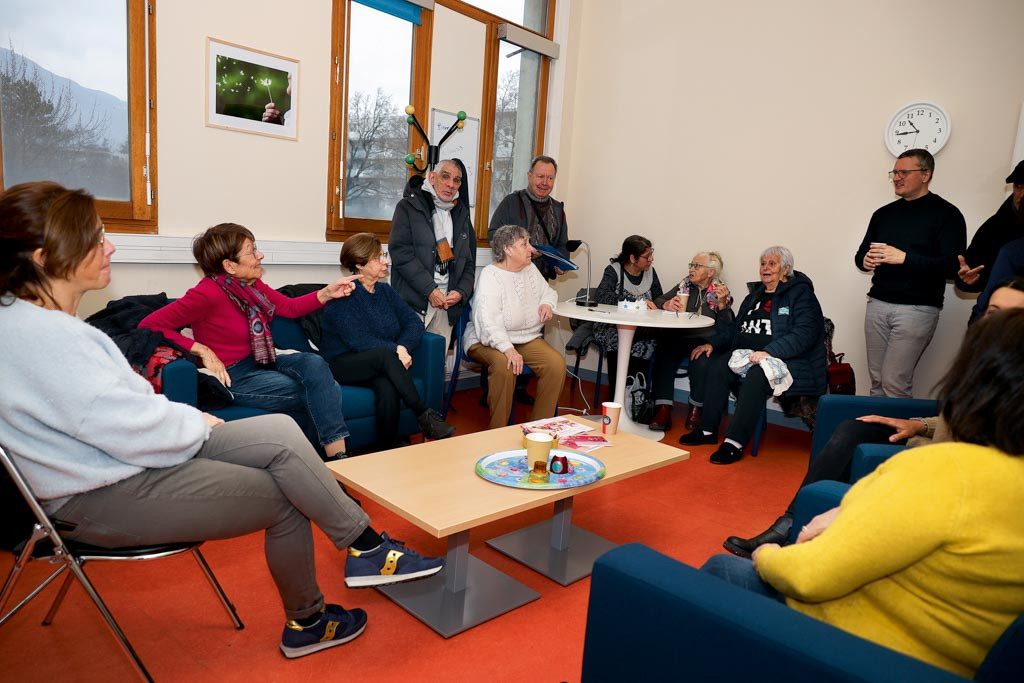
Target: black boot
[
  {"x": 778, "y": 532},
  {"x": 433, "y": 425}
]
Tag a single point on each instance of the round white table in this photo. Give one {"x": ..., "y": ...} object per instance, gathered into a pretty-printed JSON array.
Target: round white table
[{"x": 627, "y": 322}]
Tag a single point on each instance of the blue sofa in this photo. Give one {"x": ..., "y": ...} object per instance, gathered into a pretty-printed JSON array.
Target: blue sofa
[
  {"x": 180, "y": 380},
  {"x": 650, "y": 615}
]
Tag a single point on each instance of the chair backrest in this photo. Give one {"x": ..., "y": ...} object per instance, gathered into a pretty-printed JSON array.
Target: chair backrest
[{"x": 20, "y": 509}]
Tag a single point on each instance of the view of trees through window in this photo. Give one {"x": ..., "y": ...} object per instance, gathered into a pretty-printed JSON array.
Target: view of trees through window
[
  {"x": 515, "y": 120},
  {"x": 379, "y": 88},
  {"x": 63, "y": 109}
]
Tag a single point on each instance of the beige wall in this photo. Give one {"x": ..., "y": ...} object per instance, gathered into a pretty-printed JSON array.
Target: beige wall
[
  {"x": 737, "y": 125},
  {"x": 278, "y": 188}
]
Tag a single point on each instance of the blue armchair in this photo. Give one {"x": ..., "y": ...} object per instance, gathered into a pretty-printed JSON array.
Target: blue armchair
[
  {"x": 358, "y": 403},
  {"x": 653, "y": 617}
]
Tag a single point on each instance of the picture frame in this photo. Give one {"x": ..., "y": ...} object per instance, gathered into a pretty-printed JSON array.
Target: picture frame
[{"x": 242, "y": 82}]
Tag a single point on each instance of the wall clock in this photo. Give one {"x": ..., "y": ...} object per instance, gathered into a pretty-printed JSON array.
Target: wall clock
[{"x": 920, "y": 125}]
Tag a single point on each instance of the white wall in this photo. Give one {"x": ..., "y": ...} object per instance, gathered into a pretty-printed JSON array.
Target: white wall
[{"x": 741, "y": 124}]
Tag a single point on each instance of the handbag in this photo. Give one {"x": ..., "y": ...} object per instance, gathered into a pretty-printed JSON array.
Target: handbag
[
  {"x": 639, "y": 401},
  {"x": 841, "y": 379}
]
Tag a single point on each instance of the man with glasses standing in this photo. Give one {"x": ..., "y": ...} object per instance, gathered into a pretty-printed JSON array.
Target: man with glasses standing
[{"x": 911, "y": 248}]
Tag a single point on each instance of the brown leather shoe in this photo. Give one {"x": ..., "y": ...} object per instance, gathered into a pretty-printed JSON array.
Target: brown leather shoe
[
  {"x": 662, "y": 421},
  {"x": 693, "y": 417}
]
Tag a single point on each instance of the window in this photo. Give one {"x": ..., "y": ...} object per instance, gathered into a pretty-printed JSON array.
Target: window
[
  {"x": 531, "y": 14},
  {"x": 369, "y": 132},
  {"x": 515, "y": 120},
  {"x": 73, "y": 103}
]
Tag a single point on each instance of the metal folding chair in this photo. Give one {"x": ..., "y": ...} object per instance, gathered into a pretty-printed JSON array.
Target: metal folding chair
[{"x": 42, "y": 541}]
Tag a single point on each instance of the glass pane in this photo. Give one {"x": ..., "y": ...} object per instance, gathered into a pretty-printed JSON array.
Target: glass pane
[
  {"x": 379, "y": 88},
  {"x": 64, "y": 94},
  {"x": 531, "y": 14},
  {"x": 515, "y": 120}
]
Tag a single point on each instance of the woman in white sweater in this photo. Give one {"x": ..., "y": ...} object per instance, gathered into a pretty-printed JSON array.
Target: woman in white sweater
[
  {"x": 510, "y": 306},
  {"x": 118, "y": 465}
]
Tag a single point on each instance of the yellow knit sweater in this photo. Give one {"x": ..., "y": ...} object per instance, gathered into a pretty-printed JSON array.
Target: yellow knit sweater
[{"x": 926, "y": 556}]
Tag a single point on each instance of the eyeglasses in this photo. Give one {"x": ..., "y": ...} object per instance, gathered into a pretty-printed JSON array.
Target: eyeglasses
[
  {"x": 691, "y": 264},
  {"x": 904, "y": 174},
  {"x": 251, "y": 252},
  {"x": 647, "y": 257},
  {"x": 103, "y": 235},
  {"x": 382, "y": 257}
]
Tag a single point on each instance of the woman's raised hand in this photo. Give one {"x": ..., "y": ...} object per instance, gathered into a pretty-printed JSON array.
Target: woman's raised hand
[{"x": 341, "y": 287}]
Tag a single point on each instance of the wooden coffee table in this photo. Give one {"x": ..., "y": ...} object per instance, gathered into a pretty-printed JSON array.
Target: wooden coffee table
[{"x": 435, "y": 486}]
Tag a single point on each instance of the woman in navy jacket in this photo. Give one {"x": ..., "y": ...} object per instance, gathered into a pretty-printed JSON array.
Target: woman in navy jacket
[{"x": 780, "y": 318}]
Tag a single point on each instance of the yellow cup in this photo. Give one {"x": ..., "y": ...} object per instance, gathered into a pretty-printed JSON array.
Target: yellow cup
[
  {"x": 554, "y": 437},
  {"x": 538, "y": 449}
]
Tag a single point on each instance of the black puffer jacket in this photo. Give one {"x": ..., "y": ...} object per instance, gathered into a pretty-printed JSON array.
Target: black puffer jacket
[
  {"x": 798, "y": 332},
  {"x": 413, "y": 248}
]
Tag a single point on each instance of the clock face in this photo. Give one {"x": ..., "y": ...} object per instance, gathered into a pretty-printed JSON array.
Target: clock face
[{"x": 921, "y": 125}]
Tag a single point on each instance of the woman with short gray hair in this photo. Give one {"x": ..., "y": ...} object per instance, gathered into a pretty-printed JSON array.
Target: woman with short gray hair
[
  {"x": 511, "y": 305},
  {"x": 780, "y": 320}
]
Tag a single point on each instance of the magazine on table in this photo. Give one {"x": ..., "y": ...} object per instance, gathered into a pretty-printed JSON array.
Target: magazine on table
[
  {"x": 556, "y": 426},
  {"x": 584, "y": 443}
]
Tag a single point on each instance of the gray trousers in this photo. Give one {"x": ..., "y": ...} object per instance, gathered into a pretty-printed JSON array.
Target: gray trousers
[
  {"x": 896, "y": 336},
  {"x": 259, "y": 473}
]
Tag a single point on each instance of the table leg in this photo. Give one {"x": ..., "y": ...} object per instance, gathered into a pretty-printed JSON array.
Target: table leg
[
  {"x": 555, "y": 548},
  {"x": 626, "y": 424},
  {"x": 467, "y": 592}
]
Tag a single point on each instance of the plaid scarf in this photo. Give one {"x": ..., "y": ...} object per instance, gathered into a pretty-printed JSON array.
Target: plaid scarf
[{"x": 258, "y": 311}]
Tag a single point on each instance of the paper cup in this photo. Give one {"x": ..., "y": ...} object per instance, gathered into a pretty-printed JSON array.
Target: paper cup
[
  {"x": 610, "y": 417},
  {"x": 554, "y": 437},
  {"x": 538, "y": 449},
  {"x": 684, "y": 299}
]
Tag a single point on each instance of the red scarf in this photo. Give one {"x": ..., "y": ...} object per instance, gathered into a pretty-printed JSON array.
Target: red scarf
[{"x": 258, "y": 311}]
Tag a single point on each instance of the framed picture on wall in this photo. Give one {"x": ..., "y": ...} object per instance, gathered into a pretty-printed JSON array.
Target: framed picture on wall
[{"x": 251, "y": 90}]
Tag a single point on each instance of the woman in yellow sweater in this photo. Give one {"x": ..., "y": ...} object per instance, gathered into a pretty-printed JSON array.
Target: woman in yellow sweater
[{"x": 926, "y": 554}]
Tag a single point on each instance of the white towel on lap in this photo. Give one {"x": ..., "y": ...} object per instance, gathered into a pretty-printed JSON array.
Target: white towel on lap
[{"x": 774, "y": 369}]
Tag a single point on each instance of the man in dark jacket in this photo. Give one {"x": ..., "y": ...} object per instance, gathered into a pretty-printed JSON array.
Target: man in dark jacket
[
  {"x": 1006, "y": 225},
  {"x": 433, "y": 247},
  {"x": 535, "y": 209},
  {"x": 780, "y": 319}
]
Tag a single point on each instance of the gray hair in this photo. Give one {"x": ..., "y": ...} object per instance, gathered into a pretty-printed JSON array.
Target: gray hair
[
  {"x": 714, "y": 261},
  {"x": 504, "y": 238},
  {"x": 785, "y": 255}
]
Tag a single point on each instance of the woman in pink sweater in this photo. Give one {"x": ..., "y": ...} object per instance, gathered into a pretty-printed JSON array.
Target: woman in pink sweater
[{"x": 230, "y": 311}]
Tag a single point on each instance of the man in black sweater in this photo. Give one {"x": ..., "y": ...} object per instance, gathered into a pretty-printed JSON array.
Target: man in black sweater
[{"x": 911, "y": 246}]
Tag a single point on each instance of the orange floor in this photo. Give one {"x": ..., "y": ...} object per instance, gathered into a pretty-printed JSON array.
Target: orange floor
[{"x": 181, "y": 632}]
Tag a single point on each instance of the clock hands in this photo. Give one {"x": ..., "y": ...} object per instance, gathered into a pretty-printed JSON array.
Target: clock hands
[{"x": 907, "y": 132}]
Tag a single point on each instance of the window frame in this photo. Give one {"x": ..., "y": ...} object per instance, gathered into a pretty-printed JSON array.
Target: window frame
[
  {"x": 338, "y": 226},
  {"x": 136, "y": 215}
]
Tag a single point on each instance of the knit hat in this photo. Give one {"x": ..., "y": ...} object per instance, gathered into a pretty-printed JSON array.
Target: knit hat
[{"x": 1017, "y": 177}]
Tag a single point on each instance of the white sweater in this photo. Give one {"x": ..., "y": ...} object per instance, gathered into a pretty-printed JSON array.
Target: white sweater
[
  {"x": 74, "y": 415},
  {"x": 506, "y": 307}
]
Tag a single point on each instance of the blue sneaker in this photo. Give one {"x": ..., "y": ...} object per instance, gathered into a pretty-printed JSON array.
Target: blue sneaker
[
  {"x": 337, "y": 626},
  {"x": 390, "y": 562}
]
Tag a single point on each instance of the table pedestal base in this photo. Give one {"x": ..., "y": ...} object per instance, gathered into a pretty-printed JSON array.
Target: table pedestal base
[
  {"x": 555, "y": 548},
  {"x": 467, "y": 592}
]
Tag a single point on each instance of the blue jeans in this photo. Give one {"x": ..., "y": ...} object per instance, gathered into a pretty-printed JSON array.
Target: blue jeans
[
  {"x": 740, "y": 572},
  {"x": 301, "y": 384}
]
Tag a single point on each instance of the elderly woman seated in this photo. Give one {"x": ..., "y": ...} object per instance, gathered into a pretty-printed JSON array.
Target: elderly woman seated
[
  {"x": 924, "y": 555},
  {"x": 511, "y": 305},
  {"x": 230, "y": 311},
  {"x": 367, "y": 339},
  {"x": 780, "y": 320},
  {"x": 701, "y": 292}
]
